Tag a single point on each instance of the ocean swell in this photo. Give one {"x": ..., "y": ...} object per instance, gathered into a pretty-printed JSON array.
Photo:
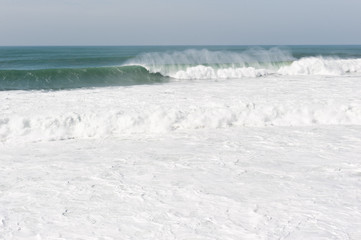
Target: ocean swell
[
  {"x": 160, "y": 67},
  {"x": 69, "y": 78}
]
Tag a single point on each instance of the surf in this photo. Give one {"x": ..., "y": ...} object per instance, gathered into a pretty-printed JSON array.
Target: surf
[
  {"x": 147, "y": 67},
  {"x": 155, "y": 118}
]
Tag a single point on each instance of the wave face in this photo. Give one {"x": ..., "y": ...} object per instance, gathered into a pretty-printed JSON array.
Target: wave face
[
  {"x": 77, "y": 78},
  {"x": 66, "y": 68}
]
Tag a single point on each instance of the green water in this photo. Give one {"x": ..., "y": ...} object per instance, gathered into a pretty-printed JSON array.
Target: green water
[{"x": 29, "y": 68}]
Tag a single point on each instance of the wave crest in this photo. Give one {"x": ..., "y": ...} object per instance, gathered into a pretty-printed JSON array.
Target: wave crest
[
  {"x": 205, "y": 64},
  {"x": 177, "y": 63},
  {"x": 204, "y": 72},
  {"x": 322, "y": 66}
]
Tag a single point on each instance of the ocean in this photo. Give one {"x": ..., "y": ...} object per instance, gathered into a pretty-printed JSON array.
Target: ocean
[
  {"x": 180, "y": 142},
  {"x": 53, "y": 68}
]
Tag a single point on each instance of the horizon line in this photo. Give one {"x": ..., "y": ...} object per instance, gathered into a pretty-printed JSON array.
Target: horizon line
[{"x": 172, "y": 45}]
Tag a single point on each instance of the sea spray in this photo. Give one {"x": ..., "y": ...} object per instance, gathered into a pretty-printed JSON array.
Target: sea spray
[{"x": 61, "y": 68}]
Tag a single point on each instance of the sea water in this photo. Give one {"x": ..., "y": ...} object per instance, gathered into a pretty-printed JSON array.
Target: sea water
[
  {"x": 27, "y": 68},
  {"x": 180, "y": 142}
]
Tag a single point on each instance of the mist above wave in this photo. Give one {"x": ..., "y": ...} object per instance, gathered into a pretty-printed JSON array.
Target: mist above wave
[
  {"x": 205, "y": 64},
  {"x": 204, "y": 56},
  {"x": 168, "y": 63},
  {"x": 158, "y": 67}
]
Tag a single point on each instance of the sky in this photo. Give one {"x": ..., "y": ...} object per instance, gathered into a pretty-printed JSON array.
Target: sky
[{"x": 179, "y": 22}]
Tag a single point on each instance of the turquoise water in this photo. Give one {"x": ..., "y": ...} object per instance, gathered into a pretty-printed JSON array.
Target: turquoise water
[{"x": 30, "y": 68}]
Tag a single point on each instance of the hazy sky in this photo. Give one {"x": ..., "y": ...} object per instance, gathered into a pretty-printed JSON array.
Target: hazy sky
[{"x": 180, "y": 22}]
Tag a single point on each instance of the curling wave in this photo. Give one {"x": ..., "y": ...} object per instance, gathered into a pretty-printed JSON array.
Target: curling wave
[
  {"x": 68, "y": 78},
  {"x": 159, "y": 67},
  {"x": 205, "y": 64}
]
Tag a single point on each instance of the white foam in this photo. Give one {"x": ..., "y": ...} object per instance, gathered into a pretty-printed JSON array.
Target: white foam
[
  {"x": 180, "y": 106},
  {"x": 198, "y": 64},
  {"x": 160, "y": 119},
  {"x": 205, "y": 64},
  {"x": 204, "y": 72},
  {"x": 322, "y": 66},
  {"x": 216, "y": 167},
  {"x": 304, "y": 66}
]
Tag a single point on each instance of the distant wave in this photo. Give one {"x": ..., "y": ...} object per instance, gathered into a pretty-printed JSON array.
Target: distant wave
[
  {"x": 322, "y": 66},
  {"x": 170, "y": 63},
  {"x": 77, "y": 77},
  {"x": 204, "y": 64},
  {"x": 190, "y": 64},
  {"x": 304, "y": 66}
]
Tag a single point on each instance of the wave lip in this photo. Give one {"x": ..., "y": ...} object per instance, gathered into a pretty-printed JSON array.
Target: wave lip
[{"x": 68, "y": 78}]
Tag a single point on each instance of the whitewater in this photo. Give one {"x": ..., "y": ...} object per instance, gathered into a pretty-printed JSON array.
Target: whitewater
[{"x": 182, "y": 143}]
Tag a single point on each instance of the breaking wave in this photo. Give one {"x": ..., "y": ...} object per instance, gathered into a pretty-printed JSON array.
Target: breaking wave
[
  {"x": 204, "y": 64},
  {"x": 322, "y": 66},
  {"x": 77, "y": 77},
  {"x": 304, "y": 66},
  {"x": 190, "y": 64}
]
